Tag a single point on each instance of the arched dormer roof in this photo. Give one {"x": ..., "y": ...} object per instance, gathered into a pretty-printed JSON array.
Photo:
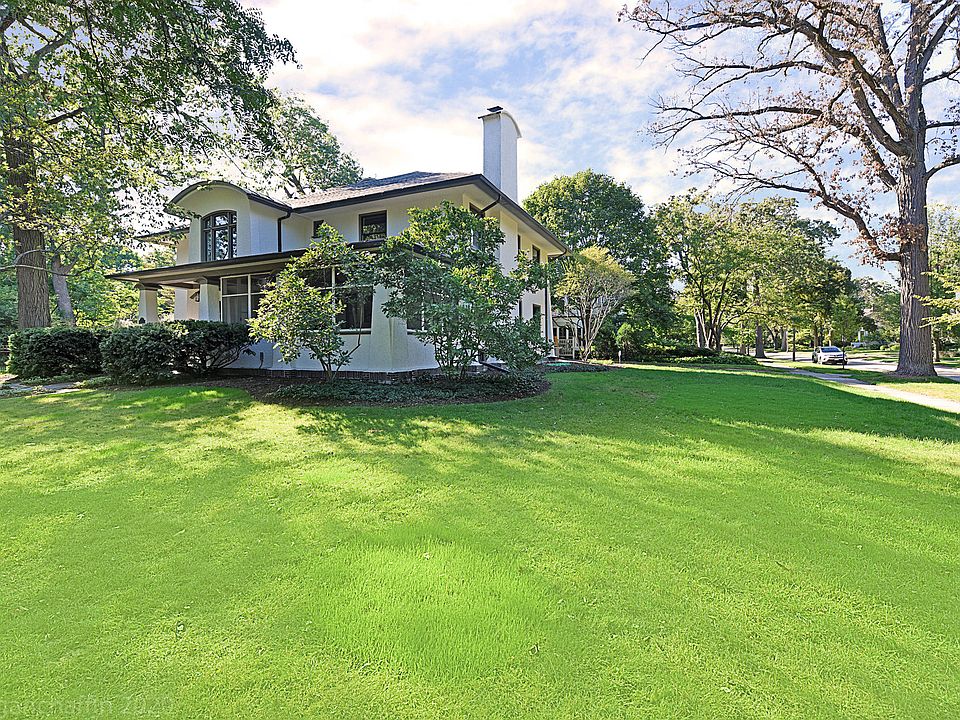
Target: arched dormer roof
[{"x": 253, "y": 196}]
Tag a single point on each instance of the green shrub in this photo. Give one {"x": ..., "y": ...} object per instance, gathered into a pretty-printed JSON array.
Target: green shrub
[
  {"x": 146, "y": 354},
  {"x": 489, "y": 386},
  {"x": 717, "y": 359},
  {"x": 49, "y": 352},
  {"x": 666, "y": 352},
  {"x": 517, "y": 343},
  {"x": 207, "y": 346},
  {"x": 141, "y": 354},
  {"x": 567, "y": 366}
]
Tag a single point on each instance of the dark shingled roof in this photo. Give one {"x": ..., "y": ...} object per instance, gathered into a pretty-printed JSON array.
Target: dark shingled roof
[{"x": 374, "y": 186}]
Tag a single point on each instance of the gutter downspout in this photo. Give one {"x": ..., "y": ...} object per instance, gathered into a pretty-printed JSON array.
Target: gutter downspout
[
  {"x": 280, "y": 232},
  {"x": 483, "y": 211}
]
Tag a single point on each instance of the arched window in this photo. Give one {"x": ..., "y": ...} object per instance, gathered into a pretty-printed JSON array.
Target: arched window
[{"x": 218, "y": 235}]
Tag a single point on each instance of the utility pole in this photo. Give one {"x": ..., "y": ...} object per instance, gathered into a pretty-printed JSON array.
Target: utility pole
[{"x": 793, "y": 342}]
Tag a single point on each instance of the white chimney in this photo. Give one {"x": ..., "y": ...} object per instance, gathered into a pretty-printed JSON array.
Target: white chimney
[{"x": 500, "y": 135}]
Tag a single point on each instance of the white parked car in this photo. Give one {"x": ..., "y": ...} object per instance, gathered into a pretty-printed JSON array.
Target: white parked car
[{"x": 829, "y": 355}]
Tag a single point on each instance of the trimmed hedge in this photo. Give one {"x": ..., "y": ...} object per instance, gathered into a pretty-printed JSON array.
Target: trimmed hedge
[
  {"x": 141, "y": 354},
  {"x": 717, "y": 359},
  {"x": 52, "y": 352},
  {"x": 207, "y": 346},
  {"x": 151, "y": 353},
  {"x": 667, "y": 352}
]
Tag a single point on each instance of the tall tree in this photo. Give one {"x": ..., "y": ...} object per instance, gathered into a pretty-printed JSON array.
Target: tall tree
[
  {"x": 122, "y": 89},
  {"x": 306, "y": 156},
  {"x": 836, "y": 100},
  {"x": 713, "y": 261},
  {"x": 785, "y": 250},
  {"x": 591, "y": 209}
]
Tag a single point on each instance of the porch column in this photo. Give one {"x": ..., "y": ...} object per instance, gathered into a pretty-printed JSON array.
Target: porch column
[
  {"x": 548, "y": 322},
  {"x": 209, "y": 300},
  {"x": 148, "y": 304}
]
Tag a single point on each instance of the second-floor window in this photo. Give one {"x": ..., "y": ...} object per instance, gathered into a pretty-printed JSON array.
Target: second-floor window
[
  {"x": 535, "y": 254},
  {"x": 218, "y": 235},
  {"x": 373, "y": 226}
]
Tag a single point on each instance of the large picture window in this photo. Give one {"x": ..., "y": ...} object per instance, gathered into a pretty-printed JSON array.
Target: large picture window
[
  {"x": 218, "y": 235},
  {"x": 240, "y": 296},
  {"x": 357, "y": 313}
]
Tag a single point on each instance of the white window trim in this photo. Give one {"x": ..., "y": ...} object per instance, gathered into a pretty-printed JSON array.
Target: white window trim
[{"x": 249, "y": 293}]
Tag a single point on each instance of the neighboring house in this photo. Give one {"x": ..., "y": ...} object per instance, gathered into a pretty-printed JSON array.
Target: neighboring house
[
  {"x": 239, "y": 239},
  {"x": 566, "y": 333}
]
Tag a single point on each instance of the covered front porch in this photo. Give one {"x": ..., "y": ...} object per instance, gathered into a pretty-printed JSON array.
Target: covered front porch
[{"x": 226, "y": 290}]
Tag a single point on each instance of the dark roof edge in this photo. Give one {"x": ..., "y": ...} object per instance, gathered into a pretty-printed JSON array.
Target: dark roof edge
[
  {"x": 256, "y": 197},
  {"x": 475, "y": 179},
  {"x": 209, "y": 265}
]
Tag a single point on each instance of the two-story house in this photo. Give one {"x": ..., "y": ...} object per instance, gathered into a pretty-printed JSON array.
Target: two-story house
[{"x": 238, "y": 239}]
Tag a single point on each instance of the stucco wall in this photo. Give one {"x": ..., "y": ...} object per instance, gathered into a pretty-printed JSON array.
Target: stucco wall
[{"x": 388, "y": 347}]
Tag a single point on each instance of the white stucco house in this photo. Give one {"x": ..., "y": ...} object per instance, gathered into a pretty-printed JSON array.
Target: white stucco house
[{"x": 238, "y": 239}]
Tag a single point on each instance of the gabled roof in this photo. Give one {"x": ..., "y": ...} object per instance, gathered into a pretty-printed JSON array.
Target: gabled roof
[{"x": 375, "y": 186}]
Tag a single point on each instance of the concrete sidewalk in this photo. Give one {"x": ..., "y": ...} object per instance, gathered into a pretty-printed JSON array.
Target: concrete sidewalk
[{"x": 952, "y": 406}]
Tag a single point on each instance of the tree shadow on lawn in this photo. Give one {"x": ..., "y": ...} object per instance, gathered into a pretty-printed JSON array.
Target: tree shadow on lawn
[{"x": 602, "y": 502}]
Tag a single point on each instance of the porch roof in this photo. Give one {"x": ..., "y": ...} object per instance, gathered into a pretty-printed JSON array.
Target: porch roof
[{"x": 190, "y": 275}]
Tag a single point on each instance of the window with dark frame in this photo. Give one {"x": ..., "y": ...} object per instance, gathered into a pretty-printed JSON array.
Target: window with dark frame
[
  {"x": 357, "y": 313},
  {"x": 535, "y": 254},
  {"x": 537, "y": 313},
  {"x": 373, "y": 226},
  {"x": 218, "y": 236}
]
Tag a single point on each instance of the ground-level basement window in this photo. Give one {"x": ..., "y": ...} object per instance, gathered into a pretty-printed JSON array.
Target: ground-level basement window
[{"x": 240, "y": 296}]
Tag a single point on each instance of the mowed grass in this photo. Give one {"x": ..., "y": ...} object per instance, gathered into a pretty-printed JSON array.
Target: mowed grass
[{"x": 651, "y": 542}]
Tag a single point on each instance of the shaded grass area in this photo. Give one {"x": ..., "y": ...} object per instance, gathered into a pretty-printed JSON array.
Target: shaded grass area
[{"x": 652, "y": 542}]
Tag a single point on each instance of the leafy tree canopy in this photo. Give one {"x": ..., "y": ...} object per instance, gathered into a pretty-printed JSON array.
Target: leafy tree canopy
[
  {"x": 591, "y": 209},
  {"x": 593, "y": 286},
  {"x": 106, "y": 100},
  {"x": 444, "y": 279}
]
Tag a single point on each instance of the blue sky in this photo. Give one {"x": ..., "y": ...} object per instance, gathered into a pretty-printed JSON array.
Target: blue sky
[{"x": 401, "y": 83}]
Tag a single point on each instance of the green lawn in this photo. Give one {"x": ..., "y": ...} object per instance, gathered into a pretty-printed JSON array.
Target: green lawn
[{"x": 654, "y": 542}]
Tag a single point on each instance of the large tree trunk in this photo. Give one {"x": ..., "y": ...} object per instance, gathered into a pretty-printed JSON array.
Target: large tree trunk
[
  {"x": 759, "y": 342},
  {"x": 916, "y": 343},
  {"x": 701, "y": 330},
  {"x": 33, "y": 292},
  {"x": 59, "y": 273}
]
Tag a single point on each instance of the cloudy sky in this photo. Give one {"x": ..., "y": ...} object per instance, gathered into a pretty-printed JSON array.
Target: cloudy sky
[{"x": 401, "y": 83}]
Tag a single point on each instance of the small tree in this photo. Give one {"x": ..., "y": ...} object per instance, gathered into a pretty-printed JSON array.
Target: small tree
[
  {"x": 445, "y": 281},
  {"x": 593, "y": 286},
  {"x": 296, "y": 314}
]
